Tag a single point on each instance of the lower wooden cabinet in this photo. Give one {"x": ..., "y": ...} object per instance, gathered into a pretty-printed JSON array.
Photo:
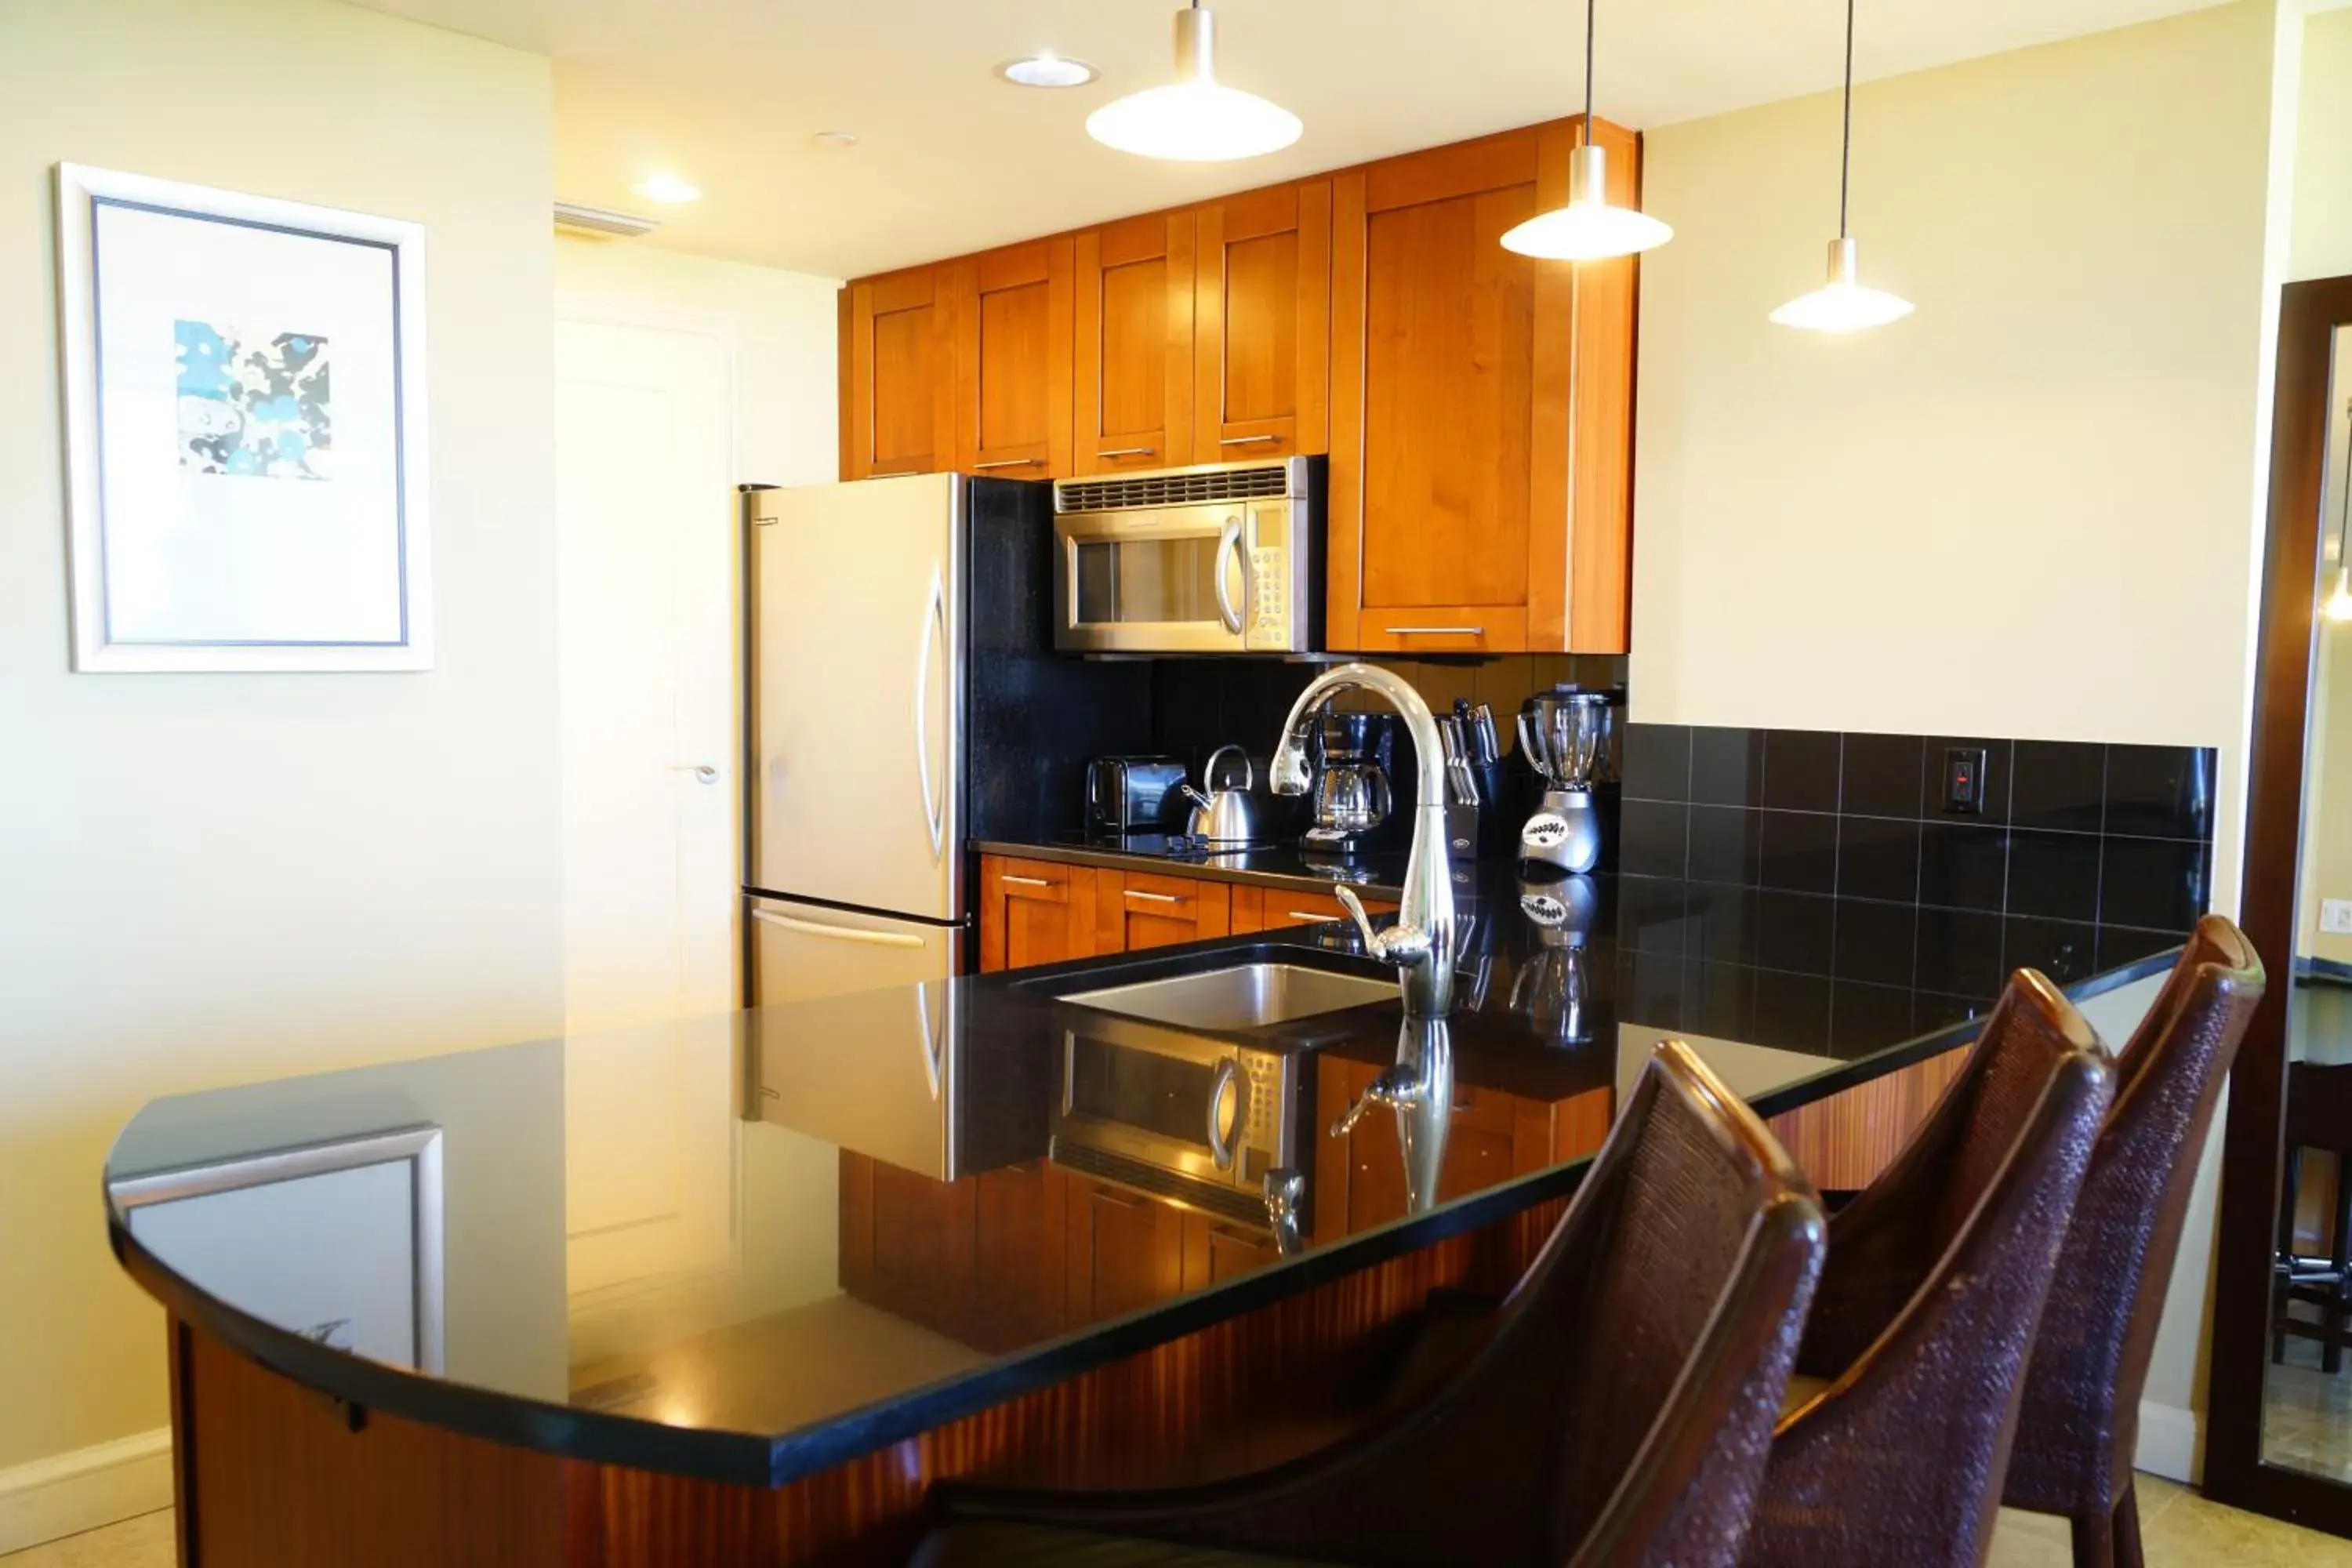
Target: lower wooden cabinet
[
  {"x": 1126, "y": 1251},
  {"x": 1034, "y": 911},
  {"x": 1136, "y": 910}
]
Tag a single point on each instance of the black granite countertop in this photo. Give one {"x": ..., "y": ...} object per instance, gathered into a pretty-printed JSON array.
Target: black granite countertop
[{"x": 700, "y": 1247}]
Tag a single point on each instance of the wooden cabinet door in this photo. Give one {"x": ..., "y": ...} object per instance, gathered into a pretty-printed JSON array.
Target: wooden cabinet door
[
  {"x": 1021, "y": 1238},
  {"x": 1133, "y": 396},
  {"x": 1360, "y": 1179},
  {"x": 1126, "y": 1251},
  {"x": 1481, "y": 407},
  {"x": 1262, "y": 324},
  {"x": 1136, "y": 910},
  {"x": 1215, "y": 1251},
  {"x": 1033, "y": 912},
  {"x": 1280, "y": 909},
  {"x": 895, "y": 407},
  {"x": 921, "y": 1247},
  {"x": 1012, "y": 333}
]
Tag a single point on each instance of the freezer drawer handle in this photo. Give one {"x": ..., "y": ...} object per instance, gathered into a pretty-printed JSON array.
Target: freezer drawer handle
[
  {"x": 838, "y": 934},
  {"x": 935, "y": 631}
]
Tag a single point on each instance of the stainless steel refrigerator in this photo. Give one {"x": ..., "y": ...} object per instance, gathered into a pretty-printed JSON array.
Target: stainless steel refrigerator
[{"x": 903, "y": 699}]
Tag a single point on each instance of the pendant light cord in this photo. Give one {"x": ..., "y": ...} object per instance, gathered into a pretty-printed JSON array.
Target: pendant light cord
[
  {"x": 1588, "y": 72},
  {"x": 1845, "y": 152}
]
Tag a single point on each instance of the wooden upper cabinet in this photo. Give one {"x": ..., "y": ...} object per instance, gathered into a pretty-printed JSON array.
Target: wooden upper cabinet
[
  {"x": 1481, "y": 407},
  {"x": 895, "y": 377},
  {"x": 1133, "y": 400},
  {"x": 1011, "y": 312},
  {"x": 1262, "y": 324}
]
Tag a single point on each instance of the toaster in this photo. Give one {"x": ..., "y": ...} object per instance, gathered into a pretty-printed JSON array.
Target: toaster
[{"x": 1134, "y": 794}]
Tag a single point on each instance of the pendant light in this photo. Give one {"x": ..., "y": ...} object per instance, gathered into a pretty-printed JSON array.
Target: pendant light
[
  {"x": 2338, "y": 607},
  {"x": 1196, "y": 119},
  {"x": 1842, "y": 304},
  {"x": 1588, "y": 228}
]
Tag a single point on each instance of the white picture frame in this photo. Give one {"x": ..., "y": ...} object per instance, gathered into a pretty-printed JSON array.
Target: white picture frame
[
  {"x": 340, "y": 1241},
  {"x": 246, "y": 441}
]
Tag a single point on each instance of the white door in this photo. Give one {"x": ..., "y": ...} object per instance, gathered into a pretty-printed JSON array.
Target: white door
[
  {"x": 646, "y": 610},
  {"x": 857, "y": 654},
  {"x": 646, "y": 530}
]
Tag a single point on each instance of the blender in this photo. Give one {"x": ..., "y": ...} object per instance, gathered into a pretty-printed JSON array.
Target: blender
[{"x": 1569, "y": 737}]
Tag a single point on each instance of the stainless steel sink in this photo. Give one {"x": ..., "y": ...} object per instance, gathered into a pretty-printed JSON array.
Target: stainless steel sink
[{"x": 1244, "y": 996}]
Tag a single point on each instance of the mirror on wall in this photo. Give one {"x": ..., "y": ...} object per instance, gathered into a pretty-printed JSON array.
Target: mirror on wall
[{"x": 2306, "y": 1423}]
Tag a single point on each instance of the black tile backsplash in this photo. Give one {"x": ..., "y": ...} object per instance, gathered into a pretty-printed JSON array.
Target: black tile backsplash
[{"x": 1823, "y": 858}]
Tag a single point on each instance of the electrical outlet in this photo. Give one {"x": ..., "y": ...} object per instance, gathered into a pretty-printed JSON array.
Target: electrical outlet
[{"x": 2336, "y": 916}]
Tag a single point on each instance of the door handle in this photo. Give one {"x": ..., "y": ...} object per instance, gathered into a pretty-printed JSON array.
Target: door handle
[
  {"x": 1013, "y": 880},
  {"x": 1437, "y": 631},
  {"x": 1009, "y": 463},
  {"x": 704, "y": 773},
  {"x": 1155, "y": 898},
  {"x": 839, "y": 934},
  {"x": 935, "y": 630},
  {"x": 1126, "y": 452},
  {"x": 1229, "y": 537},
  {"x": 1246, "y": 440}
]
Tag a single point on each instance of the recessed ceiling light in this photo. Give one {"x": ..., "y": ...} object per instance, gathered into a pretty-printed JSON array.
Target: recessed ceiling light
[
  {"x": 834, "y": 139},
  {"x": 1046, "y": 69},
  {"x": 666, "y": 187}
]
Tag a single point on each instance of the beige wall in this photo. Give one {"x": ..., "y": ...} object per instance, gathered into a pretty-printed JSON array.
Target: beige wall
[
  {"x": 2031, "y": 509},
  {"x": 780, "y": 326},
  {"x": 210, "y": 878},
  {"x": 2323, "y": 163},
  {"x": 2025, "y": 510}
]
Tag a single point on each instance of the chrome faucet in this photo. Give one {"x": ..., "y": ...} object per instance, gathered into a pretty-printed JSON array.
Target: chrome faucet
[{"x": 1422, "y": 942}]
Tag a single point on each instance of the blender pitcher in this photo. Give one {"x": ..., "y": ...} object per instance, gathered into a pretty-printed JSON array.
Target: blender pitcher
[{"x": 1568, "y": 736}]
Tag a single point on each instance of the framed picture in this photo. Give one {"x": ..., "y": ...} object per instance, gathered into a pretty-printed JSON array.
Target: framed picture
[
  {"x": 338, "y": 1241},
  {"x": 245, "y": 430}
]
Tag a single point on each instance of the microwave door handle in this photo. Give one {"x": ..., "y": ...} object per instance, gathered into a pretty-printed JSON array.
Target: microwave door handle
[
  {"x": 1229, "y": 539},
  {"x": 1219, "y": 1149},
  {"x": 935, "y": 626}
]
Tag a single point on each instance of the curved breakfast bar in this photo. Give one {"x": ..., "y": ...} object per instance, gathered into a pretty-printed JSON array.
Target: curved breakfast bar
[{"x": 737, "y": 1289}]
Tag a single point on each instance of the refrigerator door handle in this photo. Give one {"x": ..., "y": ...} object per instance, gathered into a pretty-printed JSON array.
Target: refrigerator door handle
[
  {"x": 935, "y": 631},
  {"x": 838, "y": 934},
  {"x": 930, "y": 1040}
]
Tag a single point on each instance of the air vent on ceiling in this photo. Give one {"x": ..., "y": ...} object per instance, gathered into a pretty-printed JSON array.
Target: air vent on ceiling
[
  {"x": 604, "y": 220},
  {"x": 1182, "y": 487}
]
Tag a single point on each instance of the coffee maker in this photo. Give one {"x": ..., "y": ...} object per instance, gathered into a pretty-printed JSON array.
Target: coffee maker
[
  {"x": 1357, "y": 811},
  {"x": 1569, "y": 736}
]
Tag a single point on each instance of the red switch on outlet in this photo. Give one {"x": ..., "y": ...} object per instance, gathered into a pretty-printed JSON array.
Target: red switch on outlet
[{"x": 1964, "y": 780}]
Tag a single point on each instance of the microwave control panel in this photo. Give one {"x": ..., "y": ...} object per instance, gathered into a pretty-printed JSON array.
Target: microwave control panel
[{"x": 1268, "y": 612}]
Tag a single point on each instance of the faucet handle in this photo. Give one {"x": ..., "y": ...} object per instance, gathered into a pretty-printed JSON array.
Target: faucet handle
[{"x": 1355, "y": 907}]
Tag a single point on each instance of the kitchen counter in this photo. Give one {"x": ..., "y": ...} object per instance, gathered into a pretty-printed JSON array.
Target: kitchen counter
[{"x": 650, "y": 1247}]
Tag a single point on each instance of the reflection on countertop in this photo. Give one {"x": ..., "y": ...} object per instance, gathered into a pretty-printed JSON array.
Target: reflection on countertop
[{"x": 788, "y": 1236}]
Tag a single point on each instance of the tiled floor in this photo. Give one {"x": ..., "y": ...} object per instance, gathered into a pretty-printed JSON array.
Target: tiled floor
[
  {"x": 2177, "y": 1526},
  {"x": 2307, "y": 1416}
]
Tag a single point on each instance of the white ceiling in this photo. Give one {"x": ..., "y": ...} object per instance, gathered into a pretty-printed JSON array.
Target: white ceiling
[{"x": 727, "y": 93}]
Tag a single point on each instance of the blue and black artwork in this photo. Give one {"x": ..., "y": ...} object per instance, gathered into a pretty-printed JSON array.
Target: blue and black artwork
[{"x": 253, "y": 405}]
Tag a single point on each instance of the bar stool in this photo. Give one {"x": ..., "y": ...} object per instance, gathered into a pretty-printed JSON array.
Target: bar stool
[
  {"x": 1618, "y": 1412},
  {"x": 1897, "y": 1435},
  {"x": 2079, "y": 1423}
]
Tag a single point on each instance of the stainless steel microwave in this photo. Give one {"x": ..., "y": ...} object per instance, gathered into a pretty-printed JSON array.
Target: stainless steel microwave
[
  {"x": 1225, "y": 558},
  {"x": 1182, "y": 1116}
]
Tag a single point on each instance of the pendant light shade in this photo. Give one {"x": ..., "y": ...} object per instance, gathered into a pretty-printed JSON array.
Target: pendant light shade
[
  {"x": 1196, "y": 119},
  {"x": 1588, "y": 228},
  {"x": 1842, "y": 304}
]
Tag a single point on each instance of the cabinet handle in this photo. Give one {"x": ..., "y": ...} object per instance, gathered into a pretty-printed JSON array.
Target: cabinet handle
[
  {"x": 1116, "y": 1200},
  {"x": 1303, "y": 915},
  {"x": 1013, "y": 880},
  {"x": 896, "y": 474},
  {"x": 1437, "y": 631},
  {"x": 1155, "y": 898},
  {"x": 1247, "y": 440},
  {"x": 1126, "y": 452},
  {"x": 1009, "y": 463}
]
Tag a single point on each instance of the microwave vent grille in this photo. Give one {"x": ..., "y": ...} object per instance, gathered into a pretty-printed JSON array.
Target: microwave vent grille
[
  {"x": 1139, "y": 1175},
  {"x": 1199, "y": 487}
]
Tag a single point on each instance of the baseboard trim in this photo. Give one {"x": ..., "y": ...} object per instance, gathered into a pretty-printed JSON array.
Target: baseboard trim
[
  {"x": 66, "y": 1494},
  {"x": 2170, "y": 1443}
]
